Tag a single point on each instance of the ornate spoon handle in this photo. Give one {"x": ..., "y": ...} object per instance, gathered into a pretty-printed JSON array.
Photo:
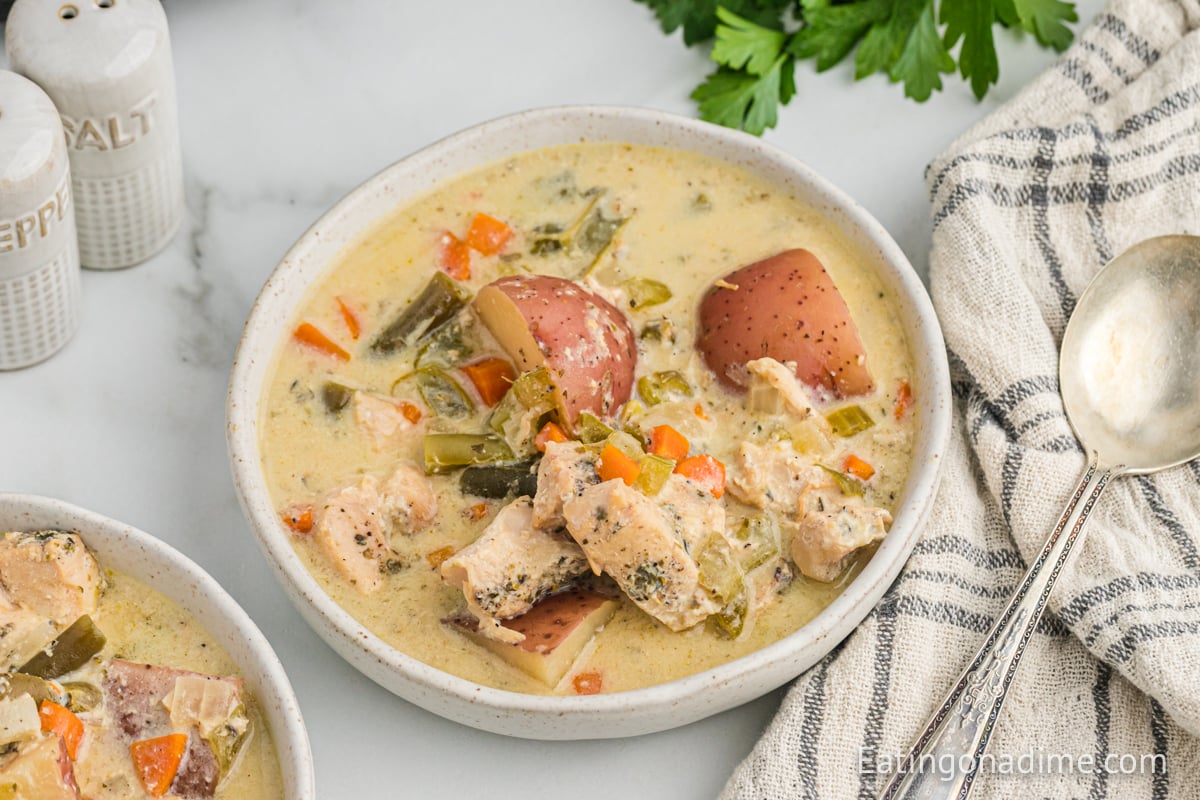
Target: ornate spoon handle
[{"x": 944, "y": 761}]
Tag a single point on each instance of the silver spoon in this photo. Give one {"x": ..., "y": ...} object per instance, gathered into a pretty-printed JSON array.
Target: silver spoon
[{"x": 1129, "y": 371}]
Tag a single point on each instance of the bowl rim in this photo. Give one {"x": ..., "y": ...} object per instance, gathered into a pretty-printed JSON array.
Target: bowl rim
[
  {"x": 825, "y": 630},
  {"x": 292, "y": 746}
]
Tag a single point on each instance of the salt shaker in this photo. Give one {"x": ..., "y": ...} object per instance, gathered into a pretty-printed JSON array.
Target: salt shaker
[
  {"x": 107, "y": 66},
  {"x": 39, "y": 260}
]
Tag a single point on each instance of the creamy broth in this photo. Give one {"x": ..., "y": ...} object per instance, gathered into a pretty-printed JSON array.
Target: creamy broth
[{"x": 691, "y": 220}]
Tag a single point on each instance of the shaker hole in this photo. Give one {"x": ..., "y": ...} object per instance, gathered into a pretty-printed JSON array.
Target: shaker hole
[
  {"x": 105, "y": 3},
  {"x": 68, "y": 12}
]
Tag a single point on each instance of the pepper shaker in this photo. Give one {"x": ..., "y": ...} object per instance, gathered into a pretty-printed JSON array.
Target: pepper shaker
[
  {"x": 39, "y": 260},
  {"x": 107, "y": 66}
]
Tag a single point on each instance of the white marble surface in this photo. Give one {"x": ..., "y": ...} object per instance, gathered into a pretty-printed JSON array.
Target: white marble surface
[{"x": 285, "y": 106}]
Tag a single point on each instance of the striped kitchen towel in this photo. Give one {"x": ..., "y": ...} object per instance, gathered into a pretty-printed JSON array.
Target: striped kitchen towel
[{"x": 1095, "y": 155}]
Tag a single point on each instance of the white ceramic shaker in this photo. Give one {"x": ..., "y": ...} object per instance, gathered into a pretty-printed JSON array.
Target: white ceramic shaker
[
  {"x": 39, "y": 260},
  {"x": 106, "y": 64}
]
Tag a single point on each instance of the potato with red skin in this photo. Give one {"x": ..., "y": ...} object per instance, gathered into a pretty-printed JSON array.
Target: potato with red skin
[
  {"x": 788, "y": 308},
  {"x": 584, "y": 341}
]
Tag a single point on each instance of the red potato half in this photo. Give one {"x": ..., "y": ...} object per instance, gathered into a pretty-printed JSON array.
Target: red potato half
[
  {"x": 583, "y": 340},
  {"x": 788, "y": 308}
]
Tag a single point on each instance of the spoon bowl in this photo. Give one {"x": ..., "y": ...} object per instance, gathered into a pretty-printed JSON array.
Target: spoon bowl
[
  {"x": 1129, "y": 369},
  {"x": 1129, "y": 373}
]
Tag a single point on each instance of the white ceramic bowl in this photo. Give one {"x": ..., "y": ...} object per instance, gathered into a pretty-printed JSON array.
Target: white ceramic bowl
[
  {"x": 160, "y": 566},
  {"x": 604, "y": 715}
]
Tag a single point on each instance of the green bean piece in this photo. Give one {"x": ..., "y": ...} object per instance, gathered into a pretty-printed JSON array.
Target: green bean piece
[
  {"x": 850, "y": 486},
  {"x": 590, "y": 429},
  {"x": 70, "y": 651},
  {"x": 440, "y": 392},
  {"x": 440, "y": 300},
  {"x": 335, "y": 397},
  {"x": 759, "y": 536},
  {"x": 653, "y": 472},
  {"x": 226, "y": 740},
  {"x": 82, "y": 697},
  {"x": 19, "y": 683},
  {"x": 849, "y": 420},
  {"x": 444, "y": 347},
  {"x": 446, "y": 452},
  {"x": 646, "y": 292},
  {"x": 534, "y": 388},
  {"x": 497, "y": 481},
  {"x": 661, "y": 386}
]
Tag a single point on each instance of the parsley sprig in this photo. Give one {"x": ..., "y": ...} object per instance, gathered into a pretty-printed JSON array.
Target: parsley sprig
[{"x": 913, "y": 42}]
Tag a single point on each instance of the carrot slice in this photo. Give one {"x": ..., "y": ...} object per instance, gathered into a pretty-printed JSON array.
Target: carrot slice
[
  {"x": 904, "y": 399},
  {"x": 410, "y": 412},
  {"x": 157, "y": 760},
  {"x": 455, "y": 257},
  {"x": 704, "y": 470},
  {"x": 858, "y": 468},
  {"x": 550, "y": 432},
  {"x": 614, "y": 464},
  {"x": 493, "y": 377},
  {"x": 669, "y": 443},
  {"x": 59, "y": 719},
  {"x": 700, "y": 412},
  {"x": 350, "y": 318},
  {"x": 298, "y": 518},
  {"x": 436, "y": 557},
  {"x": 589, "y": 682},
  {"x": 488, "y": 235},
  {"x": 310, "y": 335}
]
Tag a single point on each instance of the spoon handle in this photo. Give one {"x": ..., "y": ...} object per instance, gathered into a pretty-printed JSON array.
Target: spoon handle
[{"x": 944, "y": 761}]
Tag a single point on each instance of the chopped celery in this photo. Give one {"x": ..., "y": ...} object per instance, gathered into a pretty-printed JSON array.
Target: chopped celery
[
  {"x": 653, "y": 472},
  {"x": 658, "y": 330},
  {"x": 590, "y": 429},
  {"x": 534, "y": 388},
  {"x": 446, "y": 452},
  {"x": 500, "y": 480},
  {"x": 849, "y": 420},
  {"x": 719, "y": 570},
  {"x": 851, "y": 487},
  {"x": 523, "y": 410},
  {"x": 660, "y": 386},
  {"x": 445, "y": 397},
  {"x": 730, "y": 621},
  {"x": 335, "y": 397},
  {"x": 646, "y": 292},
  {"x": 627, "y": 444},
  {"x": 810, "y": 436},
  {"x": 440, "y": 300},
  {"x": 763, "y": 398},
  {"x": 73, "y": 648},
  {"x": 759, "y": 536}
]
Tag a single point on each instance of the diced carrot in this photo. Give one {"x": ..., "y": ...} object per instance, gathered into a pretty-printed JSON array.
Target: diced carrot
[
  {"x": 493, "y": 377},
  {"x": 669, "y": 443},
  {"x": 59, "y": 719},
  {"x": 488, "y": 235},
  {"x": 436, "y": 557},
  {"x": 615, "y": 464},
  {"x": 410, "y": 411},
  {"x": 704, "y": 470},
  {"x": 550, "y": 432},
  {"x": 353, "y": 326},
  {"x": 298, "y": 518},
  {"x": 700, "y": 412},
  {"x": 589, "y": 682},
  {"x": 157, "y": 760},
  {"x": 477, "y": 511},
  {"x": 858, "y": 468},
  {"x": 455, "y": 258},
  {"x": 309, "y": 334},
  {"x": 904, "y": 399}
]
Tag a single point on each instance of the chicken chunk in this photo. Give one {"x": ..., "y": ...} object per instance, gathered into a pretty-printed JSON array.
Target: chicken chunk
[
  {"x": 380, "y": 418},
  {"x": 642, "y": 543},
  {"x": 511, "y": 566},
  {"x": 39, "y": 769},
  {"x": 832, "y": 527},
  {"x": 22, "y": 634},
  {"x": 356, "y": 523},
  {"x": 565, "y": 471},
  {"x": 50, "y": 573},
  {"x": 773, "y": 477}
]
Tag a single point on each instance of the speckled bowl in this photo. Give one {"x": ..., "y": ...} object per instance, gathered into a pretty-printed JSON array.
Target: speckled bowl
[
  {"x": 605, "y": 715},
  {"x": 160, "y": 566}
]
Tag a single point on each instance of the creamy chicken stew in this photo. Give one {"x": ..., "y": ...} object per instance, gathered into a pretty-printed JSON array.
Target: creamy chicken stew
[
  {"x": 109, "y": 691},
  {"x": 590, "y": 419}
]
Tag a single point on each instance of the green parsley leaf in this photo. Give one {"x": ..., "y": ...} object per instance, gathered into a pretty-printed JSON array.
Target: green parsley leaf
[
  {"x": 1045, "y": 18},
  {"x": 830, "y": 32},
  {"x": 923, "y": 60},
  {"x": 884, "y": 42},
  {"x": 698, "y": 18},
  {"x": 738, "y": 100},
  {"x": 742, "y": 44},
  {"x": 972, "y": 21}
]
